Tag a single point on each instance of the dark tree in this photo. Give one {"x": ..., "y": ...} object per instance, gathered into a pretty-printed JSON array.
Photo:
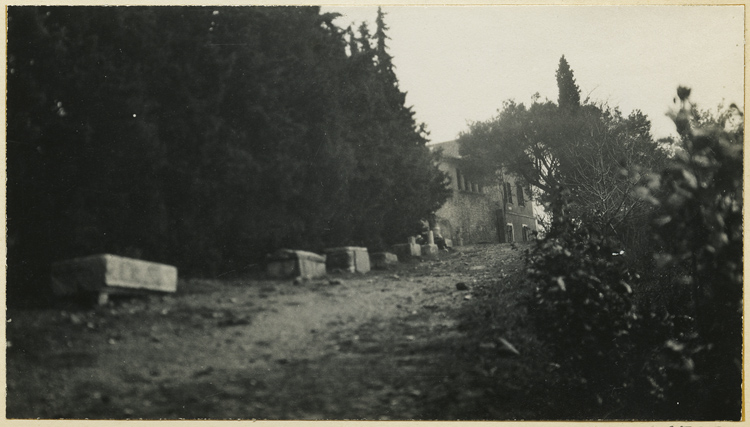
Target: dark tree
[
  {"x": 203, "y": 137},
  {"x": 593, "y": 153},
  {"x": 569, "y": 95}
]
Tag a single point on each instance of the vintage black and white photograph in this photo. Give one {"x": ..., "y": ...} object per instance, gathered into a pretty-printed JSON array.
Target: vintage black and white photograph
[{"x": 378, "y": 213}]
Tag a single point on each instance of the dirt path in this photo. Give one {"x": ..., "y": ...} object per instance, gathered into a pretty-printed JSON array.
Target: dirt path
[{"x": 396, "y": 344}]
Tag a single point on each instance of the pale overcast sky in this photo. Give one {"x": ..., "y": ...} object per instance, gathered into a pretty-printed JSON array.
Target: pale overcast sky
[{"x": 459, "y": 63}]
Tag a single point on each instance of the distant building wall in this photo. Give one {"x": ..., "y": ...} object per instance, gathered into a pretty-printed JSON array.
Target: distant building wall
[
  {"x": 469, "y": 216},
  {"x": 498, "y": 212},
  {"x": 519, "y": 211}
]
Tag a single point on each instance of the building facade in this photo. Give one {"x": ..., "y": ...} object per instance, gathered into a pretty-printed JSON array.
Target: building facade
[{"x": 502, "y": 211}]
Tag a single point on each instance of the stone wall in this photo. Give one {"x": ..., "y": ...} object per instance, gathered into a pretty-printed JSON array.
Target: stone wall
[
  {"x": 475, "y": 213},
  {"x": 469, "y": 216}
]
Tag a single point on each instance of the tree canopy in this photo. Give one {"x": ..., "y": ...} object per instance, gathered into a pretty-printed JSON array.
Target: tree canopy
[
  {"x": 205, "y": 137},
  {"x": 588, "y": 149}
]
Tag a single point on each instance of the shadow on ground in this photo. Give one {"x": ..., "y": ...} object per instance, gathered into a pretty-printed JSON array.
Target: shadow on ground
[{"x": 425, "y": 341}]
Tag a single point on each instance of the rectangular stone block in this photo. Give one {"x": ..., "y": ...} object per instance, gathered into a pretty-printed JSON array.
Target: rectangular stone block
[
  {"x": 406, "y": 251},
  {"x": 105, "y": 273},
  {"x": 429, "y": 250},
  {"x": 286, "y": 263},
  {"x": 381, "y": 260},
  {"x": 348, "y": 258}
]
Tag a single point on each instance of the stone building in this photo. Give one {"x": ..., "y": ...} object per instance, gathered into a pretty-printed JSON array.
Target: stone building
[{"x": 479, "y": 212}]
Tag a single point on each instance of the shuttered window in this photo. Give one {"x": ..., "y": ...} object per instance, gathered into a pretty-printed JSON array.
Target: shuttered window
[{"x": 508, "y": 193}]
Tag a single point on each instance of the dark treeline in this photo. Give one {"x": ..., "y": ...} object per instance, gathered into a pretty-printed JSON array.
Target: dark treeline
[{"x": 204, "y": 137}]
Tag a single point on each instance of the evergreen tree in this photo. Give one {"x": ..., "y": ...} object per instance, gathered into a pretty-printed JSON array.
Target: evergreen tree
[
  {"x": 593, "y": 156},
  {"x": 364, "y": 37},
  {"x": 352, "y": 41},
  {"x": 569, "y": 95},
  {"x": 203, "y": 137},
  {"x": 409, "y": 173},
  {"x": 385, "y": 63}
]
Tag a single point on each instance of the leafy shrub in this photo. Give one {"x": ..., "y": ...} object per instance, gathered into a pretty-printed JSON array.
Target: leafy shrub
[
  {"x": 681, "y": 360},
  {"x": 698, "y": 229},
  {"x": 582, "y": 308}
]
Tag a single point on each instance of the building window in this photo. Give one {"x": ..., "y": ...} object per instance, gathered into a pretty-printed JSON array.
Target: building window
[
  {"x": 509, "y": 233},
  {"x": 464, "y": 184},
  {"x": 521, "y": 200},
  {"x": 526, "y": 234},
  {"x": 508, "y": 193}
]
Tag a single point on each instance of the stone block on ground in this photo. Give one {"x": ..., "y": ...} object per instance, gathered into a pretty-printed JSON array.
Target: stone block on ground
[
  {"x": 406, "y": 251},
  {"x": 105, "y": 273},
  {"x": 287, "y": 263},
  {"x": 348, "y": 258},
  {"x": 381, "y": 260},
  {"x": 429, "y": 250}
]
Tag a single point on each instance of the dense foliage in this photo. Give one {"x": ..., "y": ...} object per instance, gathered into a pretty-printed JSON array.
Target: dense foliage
[
  {"x": 204, "y": 137},
  {"x": 582, "y": 307},
  {"x": 583, "y": 148},
  {"x": 698, "y": 233},
  {"x": 674, "y": 358}
]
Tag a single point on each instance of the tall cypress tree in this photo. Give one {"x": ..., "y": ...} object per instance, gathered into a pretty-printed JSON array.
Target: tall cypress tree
[
  {"x": 397, "y": 182},
  {"x": 419, "y": 188},
  {"x": 204, "y": 137},
  {"x": 385, "y": 63},
  {"x": 569, "y": 95}
]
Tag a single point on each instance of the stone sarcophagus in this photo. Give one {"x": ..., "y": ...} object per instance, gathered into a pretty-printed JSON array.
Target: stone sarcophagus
[
  {"x": 381, "y": 260},
  {"x": 429, "y": 250},
  {"x": 107, "y": 273},
  {"x": 286, "y": 263},
  {"x": 406, "y": 251},
  {"x": 348, "y": 258}
]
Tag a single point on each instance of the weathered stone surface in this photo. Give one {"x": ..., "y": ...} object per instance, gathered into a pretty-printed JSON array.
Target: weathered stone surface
[
  {"x": 381, "y": 260},
  {"x": 348, "y": 258},
  {"x": 107, "y": 273},
  {"x": 429, "y": 250},
  {"x": 286, "y": 263},
  {"x": 406, "y": 251}
]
